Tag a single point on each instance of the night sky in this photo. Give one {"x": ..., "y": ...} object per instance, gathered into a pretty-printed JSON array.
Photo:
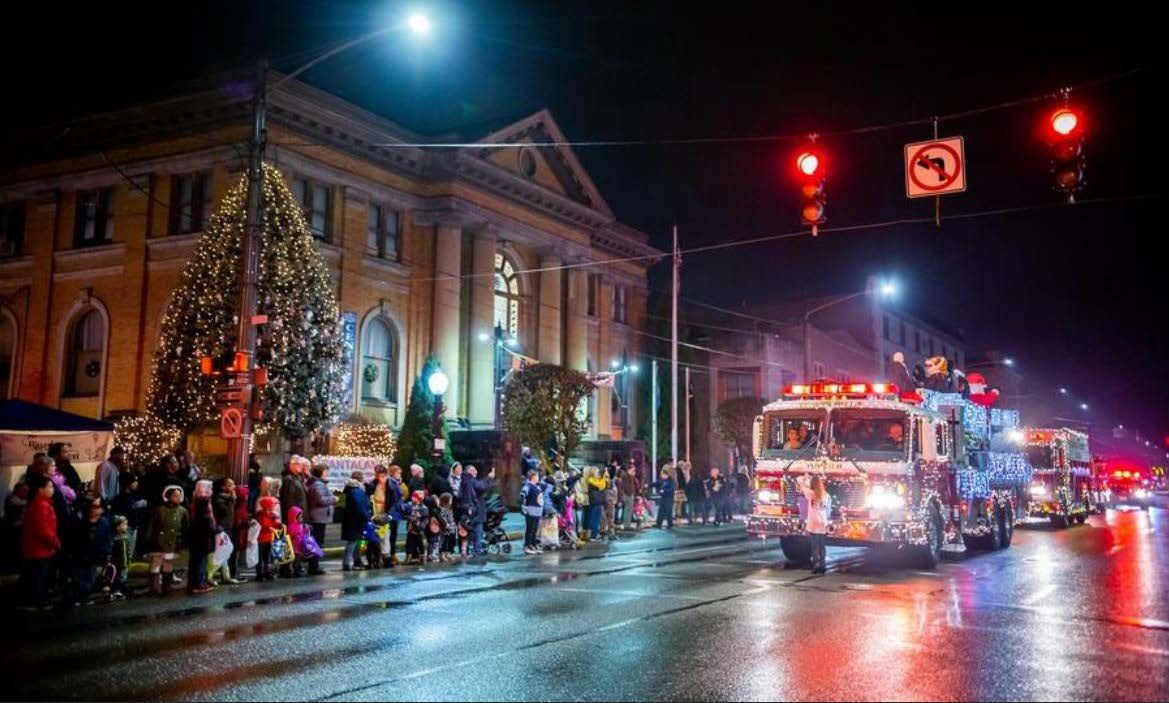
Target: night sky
[{"x": 1075, "y": 294}]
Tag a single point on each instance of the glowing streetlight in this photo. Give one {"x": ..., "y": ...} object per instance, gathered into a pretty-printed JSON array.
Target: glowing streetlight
[
  {"x": 438, "y": 382},
  {"x": 419, "y": 24},
  {"x": 633, "y": 368},
  {"x": 888, "y": 289},
  {"x": 1083, "y": 406},
  {"x": 483, "y": 336},
  {"x": 1063, "y": 391},
  {"x": 1009, "y": 361}
]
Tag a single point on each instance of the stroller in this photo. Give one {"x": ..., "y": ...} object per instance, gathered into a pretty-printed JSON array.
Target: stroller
[
  {"x": 494, "y": 536},
  {"x": 567, "y": 523}
]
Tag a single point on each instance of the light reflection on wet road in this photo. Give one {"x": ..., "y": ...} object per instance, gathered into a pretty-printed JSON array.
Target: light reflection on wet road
[{"x": 694, "y": 614}]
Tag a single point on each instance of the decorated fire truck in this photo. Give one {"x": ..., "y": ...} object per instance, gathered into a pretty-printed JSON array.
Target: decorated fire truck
[
  {"x": 1061, "y": 489},
  {"x": 915, "y": 471},
  {"x": 1129, "y": 485}
]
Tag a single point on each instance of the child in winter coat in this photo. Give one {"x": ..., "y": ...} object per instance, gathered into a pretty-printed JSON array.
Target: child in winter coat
[
  {"x": 39, "y": 541},
  {"x": 202, "y": 544},
  {"x": 121, "y": 556},
  {"x": 167, "y": 534},
  {"x": 297, "y": 530},
  {"x": 239, "y": 537},
  {"x": 268, "y": 516},
  {"x": 416, "y": 522},
  {"x": 609, "y": 517},
  {"x": 446, "y": 514},
  {"x": 434, "y": 528}
]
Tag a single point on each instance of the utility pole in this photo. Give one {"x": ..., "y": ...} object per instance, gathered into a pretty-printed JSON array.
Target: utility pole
[
  {"x": 653, "y": 409},
  {"x": 674, "y": 355},
  {"x": 245, "y": 344},
  {"x": 686, "y": 395}
]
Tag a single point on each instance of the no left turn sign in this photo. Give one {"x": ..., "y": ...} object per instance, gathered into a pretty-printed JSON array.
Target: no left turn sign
[{"x": 936, "y": 167}]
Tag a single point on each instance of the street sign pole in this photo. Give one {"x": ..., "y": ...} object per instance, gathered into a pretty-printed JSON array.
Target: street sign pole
[
  {"x": 653, "y": 409},
  {"x": 237, "y": 447}
]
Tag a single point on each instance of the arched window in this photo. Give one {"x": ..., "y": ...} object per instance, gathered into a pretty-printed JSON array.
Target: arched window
[
  {"x": 379, "y": 372},
  {"x": 7, "y": 353},
  {"x": 507, "y": 296},
  {"x": 84, "y": 355}
]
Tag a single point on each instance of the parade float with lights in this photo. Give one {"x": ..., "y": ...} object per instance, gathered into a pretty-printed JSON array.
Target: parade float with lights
[
  {"x": 1061, "y": 489},
  {"x": 923, "y": 470}
]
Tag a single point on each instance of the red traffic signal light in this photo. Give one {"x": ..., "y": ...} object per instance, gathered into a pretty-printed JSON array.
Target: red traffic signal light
[
  {"x": 1066, "y": 144},
  {"x": 810, "y": 169},
  {"x": 1065, "y": 121},
  {"x": 808, "y": 163}
]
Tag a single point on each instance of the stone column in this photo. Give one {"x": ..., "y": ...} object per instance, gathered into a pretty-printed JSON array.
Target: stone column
[
  {"x": 604, "y": 417},
  {"x": 577, "y": 329},
  {"x": 548, "y": 337},
  {"x": 445, "y": 342},
  {"x": 481, "y": 383}
]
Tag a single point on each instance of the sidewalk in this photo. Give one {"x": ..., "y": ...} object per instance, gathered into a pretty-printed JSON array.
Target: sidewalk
[{"x": 334, "y": 548}]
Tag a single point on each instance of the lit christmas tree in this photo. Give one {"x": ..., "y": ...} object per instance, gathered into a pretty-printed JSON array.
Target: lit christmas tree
[{"x": 301, "y": 344}]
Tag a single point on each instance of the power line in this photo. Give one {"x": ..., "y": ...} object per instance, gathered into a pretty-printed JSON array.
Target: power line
[{"x": 753, "y": 139}]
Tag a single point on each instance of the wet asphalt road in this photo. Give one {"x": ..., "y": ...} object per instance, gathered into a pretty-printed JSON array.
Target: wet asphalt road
[{"x": 697, "y": 613}]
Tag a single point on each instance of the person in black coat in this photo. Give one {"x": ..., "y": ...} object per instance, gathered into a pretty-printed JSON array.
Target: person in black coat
[
  {"x": 201, "y": 537},
  {"x": 417, "y": 480},
  {"x": 355, "y": 518},
  {"x": 131, "y": 504},
  {"x": 89, "y": 543},
  {"x": 473, "y": 502}
]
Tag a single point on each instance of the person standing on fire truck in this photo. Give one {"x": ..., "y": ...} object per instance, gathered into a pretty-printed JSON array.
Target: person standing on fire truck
[{"x": 816, "y": 523}]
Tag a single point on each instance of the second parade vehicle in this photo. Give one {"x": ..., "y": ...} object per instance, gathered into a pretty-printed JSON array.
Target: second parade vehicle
[{"x": 921, "y": 472}]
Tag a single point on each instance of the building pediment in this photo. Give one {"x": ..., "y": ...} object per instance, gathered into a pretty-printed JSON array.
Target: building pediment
[{"x": 536, "y": 150}]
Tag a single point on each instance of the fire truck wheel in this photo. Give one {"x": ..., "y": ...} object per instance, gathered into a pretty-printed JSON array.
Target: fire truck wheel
[
  {"x": 1006, "y": 519},
  {"x": 796, "y": 550},
  {"x": 930, "y": 554}
]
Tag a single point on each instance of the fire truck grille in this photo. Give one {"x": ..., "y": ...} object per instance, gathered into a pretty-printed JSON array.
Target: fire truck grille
[{"x": 847, "y": 494}]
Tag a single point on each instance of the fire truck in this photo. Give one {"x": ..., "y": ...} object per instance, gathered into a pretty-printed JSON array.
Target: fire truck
[
  {"x": 1129, "y": 485},
  {"x": 1061, "y": 490},
  {"x": 914, "y": 472}
]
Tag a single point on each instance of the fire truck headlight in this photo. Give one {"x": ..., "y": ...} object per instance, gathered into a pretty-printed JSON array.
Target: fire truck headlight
[
  {"x": 1141, "y": 493},
  {"x": 881, "y": 499},
  {"x": 1038, "y": 491},
  {"x": 766, "y": 496}
]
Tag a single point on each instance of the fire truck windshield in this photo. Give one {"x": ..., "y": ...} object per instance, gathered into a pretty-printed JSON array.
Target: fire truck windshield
[
  {"x": 1040, "y": 456},
  {"x": 870, "y": 433},
  {"x": 790, "y": 431}
]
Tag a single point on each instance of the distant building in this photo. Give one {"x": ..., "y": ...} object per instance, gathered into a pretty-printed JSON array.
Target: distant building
[{"x": 849, "y": 338}]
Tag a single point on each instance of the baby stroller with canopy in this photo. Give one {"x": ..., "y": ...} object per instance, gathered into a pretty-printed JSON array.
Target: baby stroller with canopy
[{"x": 494, "y": 536}]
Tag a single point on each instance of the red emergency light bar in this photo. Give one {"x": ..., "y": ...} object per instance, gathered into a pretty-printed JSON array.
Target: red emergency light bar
[{"x": 849, "y": 390}]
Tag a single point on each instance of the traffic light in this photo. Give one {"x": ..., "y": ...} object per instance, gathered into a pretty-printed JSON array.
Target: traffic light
[
  {"x": 1066, "y": 142},
  {"x": 810, "y": 170}
]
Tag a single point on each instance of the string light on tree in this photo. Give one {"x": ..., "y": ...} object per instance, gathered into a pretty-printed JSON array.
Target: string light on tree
[
  {"x": 364, "y": 439},
  {"x": 146, "y": 439},
  {"x": 301, "y": 346}
]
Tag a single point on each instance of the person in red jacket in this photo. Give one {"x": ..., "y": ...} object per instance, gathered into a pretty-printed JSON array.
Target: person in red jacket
[
  {"x": 39, "y": 541},
  {"x": 268, "y": 515}
]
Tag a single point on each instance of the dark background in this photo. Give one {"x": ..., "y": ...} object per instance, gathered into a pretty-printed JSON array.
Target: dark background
[{"x": 1074, "y": 294}]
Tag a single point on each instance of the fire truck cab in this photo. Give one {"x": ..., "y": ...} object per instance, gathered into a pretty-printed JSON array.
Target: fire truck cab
[
  {"x": 1061, "y": 483},
  {"x": 897, "y": 467},
  {"x": 1130, "y": 486}
]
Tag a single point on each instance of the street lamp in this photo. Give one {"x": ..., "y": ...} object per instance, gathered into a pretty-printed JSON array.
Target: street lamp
[
  {"x": 886, "y": 289},
  {"x": 245, "y": 338},
  {"x": 1083, "y": 406},
  {"x": 419, "y": 24},
  {"x": 1009, "y": 361},
  {"x": 1063, "y": 391},
  {"x": 438, "y": 384}
]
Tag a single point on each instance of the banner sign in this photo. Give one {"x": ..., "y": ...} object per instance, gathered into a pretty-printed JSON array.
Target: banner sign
[{"x": 17, "y": 449}]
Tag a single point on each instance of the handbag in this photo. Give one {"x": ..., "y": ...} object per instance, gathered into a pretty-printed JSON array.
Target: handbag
[
  {"x": 282, "y": 549},
  {"x": 310, "y": 548},
  {"x": 223, "y": 549},
  {"x": 252, "y": 553}
]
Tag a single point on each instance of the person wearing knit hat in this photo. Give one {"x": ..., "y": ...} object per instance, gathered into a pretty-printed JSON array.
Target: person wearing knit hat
[
  {"x": 121, "y": 556},
  {"x": 166, "y": 536}
]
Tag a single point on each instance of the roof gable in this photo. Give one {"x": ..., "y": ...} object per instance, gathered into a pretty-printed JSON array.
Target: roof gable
[{"x": 548, "y": 162}]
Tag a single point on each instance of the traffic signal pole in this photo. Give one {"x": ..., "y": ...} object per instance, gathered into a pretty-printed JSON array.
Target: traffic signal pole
[{"x": 237, "y": 447}]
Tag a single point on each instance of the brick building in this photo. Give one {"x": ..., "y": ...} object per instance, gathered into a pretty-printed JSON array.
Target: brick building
[{"x": 430, "y": 249}]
